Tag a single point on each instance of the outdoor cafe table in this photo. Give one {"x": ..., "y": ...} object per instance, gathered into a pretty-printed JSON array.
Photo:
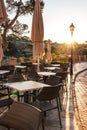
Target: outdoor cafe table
[
  {"x": 45, "y": 74},
  {"x": 20, "y": 66},
  {"x": 36, "y": 63},
  {"x": 51, "y": 68},
  {"x": 55, "y": 65},
  {"x": 3, "y": 73},
  {"x": 25, "y": 86}
]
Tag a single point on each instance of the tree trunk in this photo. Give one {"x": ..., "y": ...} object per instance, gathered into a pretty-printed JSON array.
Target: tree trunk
[{"x": 8, "y": 26}]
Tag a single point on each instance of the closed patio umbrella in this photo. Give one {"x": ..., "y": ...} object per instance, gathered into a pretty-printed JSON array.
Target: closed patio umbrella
[
  {"x": 37, "y": 32},
  {"x": 48, "y": 58},
  {"x": 3, "y": 15},
  {"x": 3, "y": 18},
  {"x": 1, "y": 50}
]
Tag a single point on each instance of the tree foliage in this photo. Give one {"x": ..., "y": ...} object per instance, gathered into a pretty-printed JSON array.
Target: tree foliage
[{"x": 16, "y": 8}]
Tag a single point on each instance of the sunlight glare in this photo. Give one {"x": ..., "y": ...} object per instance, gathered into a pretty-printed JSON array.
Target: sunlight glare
[{"x": 70, "y": 40}]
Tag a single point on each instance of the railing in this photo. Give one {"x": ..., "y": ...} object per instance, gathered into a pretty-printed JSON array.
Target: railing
[{"x": 78, "y": 74}]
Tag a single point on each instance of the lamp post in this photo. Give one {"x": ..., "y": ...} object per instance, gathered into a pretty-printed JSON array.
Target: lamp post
[{"x": 72, "y": 27}]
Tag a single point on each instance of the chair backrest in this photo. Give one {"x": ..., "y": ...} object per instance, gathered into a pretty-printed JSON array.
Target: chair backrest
[
  {"x": 27, "y": 64},
  {"x": 53, "y": 80},
  {"x": 17, "y": 77},
  {"x": 63, "y": 74},
  {"x": 6, "y": 67},
  {"x": 42, "y": 67},
  {"x": 22, "y": 116},
  {"x": 48, "y": 93},
  {"x": 65, "y": 66},
  {"x": 32, "y": 74},
  {"x": 11, "y": 68}
]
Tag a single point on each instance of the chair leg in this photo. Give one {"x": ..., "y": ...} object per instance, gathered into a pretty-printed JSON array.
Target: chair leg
[
  {"x": 59, "y": 113},
  {"x": 45, "y": 114},
  {"x": 59, "y": 102},
  {"x": 43, "y": 128},
  {"x": 18, "y": 98}
]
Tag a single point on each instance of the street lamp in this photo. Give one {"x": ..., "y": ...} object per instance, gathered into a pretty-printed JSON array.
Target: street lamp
[{"x": 72, "y": 27}]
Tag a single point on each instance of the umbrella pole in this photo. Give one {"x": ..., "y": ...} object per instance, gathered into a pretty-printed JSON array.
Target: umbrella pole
[{"x": 38, "y": 61}]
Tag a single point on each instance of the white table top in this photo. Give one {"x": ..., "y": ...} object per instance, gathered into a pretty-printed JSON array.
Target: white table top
[
  {"x": 51, "y": 68},
  {"x": 43, "y": 73},
  {"x": 24, "y": 86},
  {"x": 55, "y": 65},
  {"x": 4, "y": 71},
  {"x": 20, "y": 66},
  {"x": 36, "y": 63}
]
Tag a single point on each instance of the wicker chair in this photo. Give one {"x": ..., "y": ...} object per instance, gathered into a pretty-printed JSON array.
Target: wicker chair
[
  {"x": 9, "y": 68},
  {"x": 21, "y": 116},
  {"x": 6, "y": 102},
  {"x": 55, "y": 80},
  {"x": 16, "y": 77},
  {"x": 32, "y": 74},
  {"x": 44, "y": 101},
  {"x": 64, "y": 76},
  {"x": 5, "y": 99}
]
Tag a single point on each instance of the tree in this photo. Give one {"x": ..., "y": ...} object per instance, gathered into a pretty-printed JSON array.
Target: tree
[{"x": 17, "y": 8}]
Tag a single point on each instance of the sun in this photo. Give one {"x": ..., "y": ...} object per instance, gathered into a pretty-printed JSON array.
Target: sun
[{"x": 69, "y": 40}]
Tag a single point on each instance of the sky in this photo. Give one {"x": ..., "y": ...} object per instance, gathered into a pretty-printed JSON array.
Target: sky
[{"x": 58, "y": 16}]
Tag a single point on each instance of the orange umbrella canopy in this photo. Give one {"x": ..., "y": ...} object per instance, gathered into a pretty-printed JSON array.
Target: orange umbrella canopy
[{"x": 37, "y": 32}]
